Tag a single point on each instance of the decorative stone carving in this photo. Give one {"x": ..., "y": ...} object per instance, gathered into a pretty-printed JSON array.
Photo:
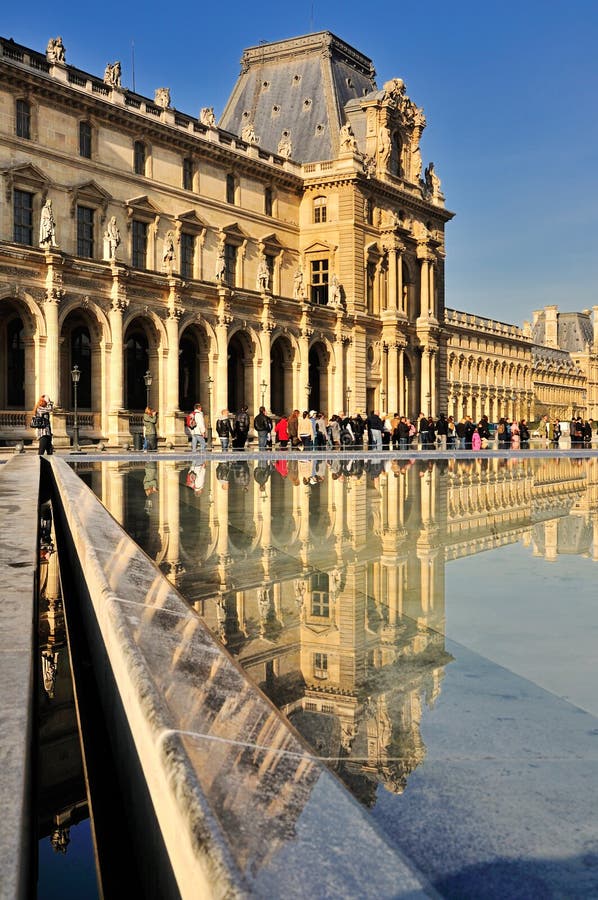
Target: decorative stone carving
[
  {"x": 432, "y": 183},
  {"x": 220, "y": 263},
  {"x": 207, "y": 117},
  {"x": 347, "y": 141},
  {"x": 47, "y": 227},
  {"x": 263, "y": 275},
  {"x": 335, "y": 297},
  {"x": 168, "y": 252},
  {"x": 369, "y": 166},
  {"x": 56, "y": 51},
  {"x": 111, "y": 239},
  {"x": 162, "y": 97},
  {"x": 112, "y": 74},
  {"x": 285, "y": 147},
  {"x": 299, "y": 285},
  {"x": 248, "y": 134}
]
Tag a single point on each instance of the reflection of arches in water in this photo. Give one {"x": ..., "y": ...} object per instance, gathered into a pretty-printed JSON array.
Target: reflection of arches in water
[
  {"x": 318, "y": 371},
  {"x": 241, "y": 519},
  {"x": 281, "y": 376},
  {"x": 283, "y": 523},
  {"x": 136, "y": 365}
]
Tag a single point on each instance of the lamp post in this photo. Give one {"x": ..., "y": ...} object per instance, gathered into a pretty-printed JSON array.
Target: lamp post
[
  {"x": 148, "y": 383},
  {"x": 383, "y": 400},
  {"x": 348, "y": 395},
  {"x": 209, "y": 382},
  {"x": 75, "y": 376},
  {"x": 263, "y": 386},
  {"x": 308, "y": 392}
]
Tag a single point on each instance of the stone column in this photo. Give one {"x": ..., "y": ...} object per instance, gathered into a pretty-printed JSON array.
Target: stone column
[
  {"x": 221, "y": 382},
  {"x": 424, "y": 288},
  {"x": 393, "y": 386},
  {"x": 267, "y": 328},
  {"x": 54, "y": 294},
  {"x": 174, "y": 426},
  {"x": 425, "y": 397},
  {"x": 392, "y": 299},
  {"x": 403, "y": 411}
]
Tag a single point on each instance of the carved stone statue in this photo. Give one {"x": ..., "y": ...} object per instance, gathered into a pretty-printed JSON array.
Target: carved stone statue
[
  {"x": 47, "y": 226},
  {"x": 263, "y": 275},
  {"x": 168, "y": 252},
  {"x": 432, "y": 182},
  {"x": 384, "y": 147},
  {"x": 334, "y": 292},
  {"x": 162, "y": 97},
  {"x": 298, "y": 285},
  {"x": 56, "y": 51},
  {"x": 369, "y": 166},
  {"x": 112, "y": 74},
  {"x": 248, "y": 134},
  {"x": 347, "y": 141},
  {"x": 207, "y": 117},
  {"x": 111, "y": 239},
  {"x": 285, "y": 147},
  {"x": 220, "y": 263}
]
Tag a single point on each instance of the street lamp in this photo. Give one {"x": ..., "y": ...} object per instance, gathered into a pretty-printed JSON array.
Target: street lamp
[
  {"x": 308, "y": 392},
  {"x": 209, "y": 382},
  {"x": 348, "y": 394},
  {"x": 383, "y": 399},
  {"x": 75, "y": 376},
  {"x": 263, "y": 386},
  {"x": 148, "y": 383}
]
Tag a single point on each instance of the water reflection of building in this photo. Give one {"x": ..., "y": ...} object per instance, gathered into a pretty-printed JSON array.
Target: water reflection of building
[{"x": 326, "y": 579}]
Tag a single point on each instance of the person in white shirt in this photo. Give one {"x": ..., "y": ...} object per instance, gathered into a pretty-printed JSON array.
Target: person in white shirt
[{"x": 198, "y": 430}]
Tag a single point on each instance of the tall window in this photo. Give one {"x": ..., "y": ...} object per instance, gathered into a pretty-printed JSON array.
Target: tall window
[
  {"x": 270, "y": 266},
  {"x": 23, "y": 111},
  {"x": 85, "y": 140},
  {"x": 85, "y": 231},
  {"x": 187, "y": 254},
  {"x": 319, "y": 209},
  {"x": 139, "y": 244},
  {"x": 371, "y": 281},
  {"x": 230, "y": 189},
  {"x": 230, "y": 259},
  {"x": 320, "y": 598},
  {"x": 23, "y": 217},
  {"x": 319, "y": 282},
  {"x": 139, "y": 158},
  {"x": 268, "y": 201},
  {"x": 188, "y": 174},
  {"x": 320, "y": 665}
]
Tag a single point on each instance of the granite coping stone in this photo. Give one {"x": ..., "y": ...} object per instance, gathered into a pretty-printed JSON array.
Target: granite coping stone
[
  {"x": 19, "y": 490},
  {"x": 243, "y": 805}
]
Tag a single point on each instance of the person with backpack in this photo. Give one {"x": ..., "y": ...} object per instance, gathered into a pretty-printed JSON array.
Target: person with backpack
[
  {"x": 196, "y": 423},
  {"x": 224, "y": 429},
  {"x": 241, "y": 429}
]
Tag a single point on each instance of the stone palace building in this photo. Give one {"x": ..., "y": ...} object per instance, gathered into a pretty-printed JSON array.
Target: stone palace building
[{"x": 291, "y": 254}]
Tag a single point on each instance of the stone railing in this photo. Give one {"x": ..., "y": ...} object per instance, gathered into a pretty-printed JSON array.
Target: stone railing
[{"x": 479, "y": 323}]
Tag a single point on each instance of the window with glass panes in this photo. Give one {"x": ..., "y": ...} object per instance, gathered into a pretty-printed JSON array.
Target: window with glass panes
[
  {"x": 320, "y": 598},
  {"x": 139, "y": 155},
  {"x": 230, "y": 260},
  {"x": 188, "y": 174},
  {"x": 85, "y": 140},
  {"x": 139, "y": 233},
  {"x": 23, "y": 111},
  {"x": 320, "y": 209},
  {"x": 85, "y": 231},
  {"x": 319, "y": 281},
  {"x": 187, "y": 254},
  {"x": 321, "y": 665},
  {"x": 23, "y": 217}
]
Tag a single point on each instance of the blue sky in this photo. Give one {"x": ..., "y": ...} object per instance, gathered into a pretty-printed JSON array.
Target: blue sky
[{"x": 509, "y": 90}]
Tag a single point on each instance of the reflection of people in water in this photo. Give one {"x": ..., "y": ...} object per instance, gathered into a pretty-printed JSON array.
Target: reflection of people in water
[
  {"x": 46, "y": 546},
  {"x": 150, "y": 479}
]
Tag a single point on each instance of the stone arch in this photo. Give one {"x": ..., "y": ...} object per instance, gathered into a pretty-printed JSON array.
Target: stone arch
[
  {"x": 81, "y": 339},
  {"x": 195, "y": 342},
  {"x": 282, "y": 357},
  {"x": 241, "y": 353},
  {"x": 22, "y": 325}
]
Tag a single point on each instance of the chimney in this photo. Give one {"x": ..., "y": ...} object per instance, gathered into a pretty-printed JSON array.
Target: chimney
[{"x": 552, "y": 326}]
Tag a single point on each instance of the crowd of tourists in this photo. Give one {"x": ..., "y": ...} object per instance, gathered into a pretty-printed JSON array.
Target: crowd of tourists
[{"x": 313, "y": 430}]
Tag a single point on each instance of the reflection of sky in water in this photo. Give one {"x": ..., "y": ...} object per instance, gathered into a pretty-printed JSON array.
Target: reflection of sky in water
[
  {"x": 430, "y": 629},
  {"x": 71, "y": 874},
  {"x": 537, "y": 618}
]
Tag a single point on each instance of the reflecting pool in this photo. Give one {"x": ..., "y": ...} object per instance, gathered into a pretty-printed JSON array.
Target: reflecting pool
[{"x": 429, "y": 627}]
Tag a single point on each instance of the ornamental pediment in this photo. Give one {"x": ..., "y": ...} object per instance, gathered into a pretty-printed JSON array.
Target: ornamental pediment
[
  {"x": 192, "y": 220},
  {"x": 234, "y": 230},
  {"x": 27, "y": 176},
  {"x": 90, "y": 192},
  {"x": 318, "y": 247},
  {"x": 142, "y": 205}
]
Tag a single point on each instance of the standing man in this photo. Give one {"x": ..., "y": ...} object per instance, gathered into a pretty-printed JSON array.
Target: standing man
[
  {"x": 375, "y": 426},
  {"x": 263, "y": 426},
  {"x": 198, "y": 429}
]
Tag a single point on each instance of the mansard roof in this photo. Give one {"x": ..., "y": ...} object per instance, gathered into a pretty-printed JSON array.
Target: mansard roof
[
  {"x": 299, "y": 86},
  {"x": 574, "y": 333}
]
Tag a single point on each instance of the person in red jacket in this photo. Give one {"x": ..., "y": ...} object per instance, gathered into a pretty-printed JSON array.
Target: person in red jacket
[{"x": 282, "y": 432}]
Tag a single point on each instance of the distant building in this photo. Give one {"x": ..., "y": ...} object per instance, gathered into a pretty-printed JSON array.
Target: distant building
[{"x": 295, "y": 251}]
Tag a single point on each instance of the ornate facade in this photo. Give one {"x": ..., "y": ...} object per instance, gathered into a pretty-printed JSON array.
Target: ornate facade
[{"x": 292, "y": 255}]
